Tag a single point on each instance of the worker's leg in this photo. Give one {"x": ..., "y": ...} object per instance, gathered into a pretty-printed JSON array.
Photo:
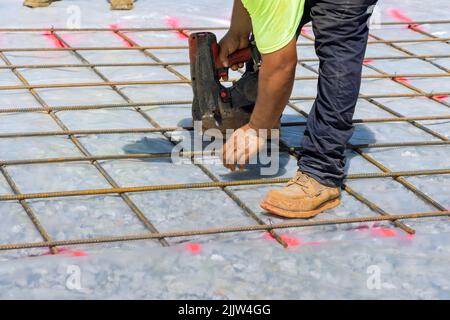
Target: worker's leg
[{"x": 341, "y": 31}]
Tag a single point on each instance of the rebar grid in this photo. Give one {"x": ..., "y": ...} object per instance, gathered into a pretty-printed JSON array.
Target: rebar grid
[
  {"x": 167, "y": 47},
  {"x": 439, "y": 139},
  {"x": 175, "y": 63},
  {"x": 181, "y": 81}
]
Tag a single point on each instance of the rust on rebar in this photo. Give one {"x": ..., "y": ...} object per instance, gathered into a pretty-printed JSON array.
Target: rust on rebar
[
  {"x": 181, "y": 63},
  {"x": 187, "y": 81},
  {"x": 201, "y": 185},
  {"x": 203, "y": 153},
  {"x": 163, "y": 29},
  {"x": 210, "y": 231}
]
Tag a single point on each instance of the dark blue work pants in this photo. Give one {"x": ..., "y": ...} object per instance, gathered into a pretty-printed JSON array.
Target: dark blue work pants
[{"x": 341, "y": 30}]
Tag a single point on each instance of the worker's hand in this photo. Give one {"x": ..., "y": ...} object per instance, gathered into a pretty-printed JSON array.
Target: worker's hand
[
  {"x": 243, "y": 144},
  {"x": 229, "y": 44}
]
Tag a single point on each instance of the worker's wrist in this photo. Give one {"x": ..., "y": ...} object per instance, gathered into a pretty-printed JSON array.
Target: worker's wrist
[
  {"x": 259, "y": 123},
  {"x": 264, "y": 132}
]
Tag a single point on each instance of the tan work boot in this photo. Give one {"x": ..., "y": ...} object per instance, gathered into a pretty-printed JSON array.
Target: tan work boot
[
  {"x": 303, "y": 197},
  {"x": 121, "y": 4},
  {"x": 37, "y": 3}
]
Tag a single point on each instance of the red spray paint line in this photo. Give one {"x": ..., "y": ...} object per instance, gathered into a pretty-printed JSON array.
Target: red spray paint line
[
  {"x": 67, "y": 252},
  {"x": 56, "y": 42},
  {"x": 193, "y": 248},
  {"x": 289, "y": 239},
  {"x": 305, "y": 31},
  {"x": 400, "y": 16},
  {"x": 401, "y": 79},
  {"x": 268, "y": 236},
  {"x": 174, "y": 23},
  {"x": 115, "y": 27},
  {"x": 442, "y": 97},
  {"x": 367, "y": 61},
  {"x": 78, "y": 254},
  {"x": 383, "y": 232},
  {"x": 377, "y": 231}
]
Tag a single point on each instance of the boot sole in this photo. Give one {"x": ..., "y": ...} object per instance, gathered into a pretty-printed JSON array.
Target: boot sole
[
  {"x": 36, "y": 4},
  {"x": 300, "y": 214}
]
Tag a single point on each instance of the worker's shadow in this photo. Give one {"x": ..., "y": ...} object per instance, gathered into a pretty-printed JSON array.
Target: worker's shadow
[
  {"x": 157, "y": 144},
  {"x": 183, "y": 141},
  {"x": 291, "y": 136},
  {"x": 151, "y": 145},
  {"x": 268, "y": 166}
]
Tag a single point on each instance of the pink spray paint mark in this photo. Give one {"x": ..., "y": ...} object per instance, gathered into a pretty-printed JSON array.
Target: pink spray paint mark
[
  {"x": 305, "y": 31},
  {"x": 376, "y": 231},
  {"x": 66, "y": 251},
  {"x": 268, "y": 236},
  {"x": 383, "y": 232},
  {"x": 367, "y": 61},
  {"x": 289, "y": 239},
  {"x": 441, "y": 97},
  {"x": 115, "y": 27},
  {"x": 193, "y": 248},
  {"x": 78, "y": 253},
  {"x": 401, "y": 79},
  {"x": 56, "y": 42},
  {"x": 174, "y": 23},
  {"x": 398, "y": 15}
]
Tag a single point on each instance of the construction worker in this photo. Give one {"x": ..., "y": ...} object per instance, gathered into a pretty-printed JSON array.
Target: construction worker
[
  {"x": 341, "y": 32},
  {"x": 115, "y": 4}
]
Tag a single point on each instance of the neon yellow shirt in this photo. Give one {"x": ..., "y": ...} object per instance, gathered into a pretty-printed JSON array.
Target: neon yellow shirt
[{"x": 274, "y": 22}]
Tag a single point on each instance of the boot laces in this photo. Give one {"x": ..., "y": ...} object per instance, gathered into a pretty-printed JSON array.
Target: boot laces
[{"x": 301, "y": 180}]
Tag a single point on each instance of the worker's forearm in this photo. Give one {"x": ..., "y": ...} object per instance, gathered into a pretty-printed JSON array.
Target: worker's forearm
[
  {"x": 273, "y": 95},
  {"x": 276, "y": 79},
  {"x": 241, "y": 24}
]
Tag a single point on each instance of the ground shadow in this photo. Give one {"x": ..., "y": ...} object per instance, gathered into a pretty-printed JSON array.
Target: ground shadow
[{"x": 149, "y": 145}]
